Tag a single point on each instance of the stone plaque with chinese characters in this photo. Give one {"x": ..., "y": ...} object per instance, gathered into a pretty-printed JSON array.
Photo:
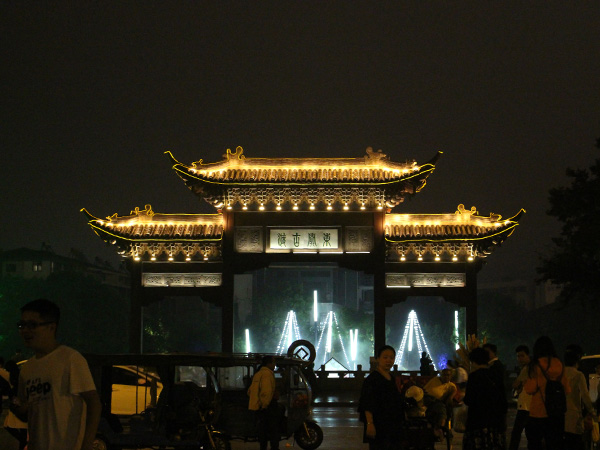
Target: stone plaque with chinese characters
[
  {"x": 181, "y": 279},
  {"x": 359, "y": 239},
  {"x": 304, "y": 239},
  {"x": 400, "y": 280},
  {"x": 249, "y": 239}
]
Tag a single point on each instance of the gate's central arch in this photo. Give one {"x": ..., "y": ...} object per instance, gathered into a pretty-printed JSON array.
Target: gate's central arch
[{"x": 308, "y": 211}]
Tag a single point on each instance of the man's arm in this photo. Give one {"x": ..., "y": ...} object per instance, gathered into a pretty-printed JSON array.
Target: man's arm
[
  {"x": 18, "y": 404},
  {"x": 18, "y": 410},
  {"x": 93, "y": 410}
]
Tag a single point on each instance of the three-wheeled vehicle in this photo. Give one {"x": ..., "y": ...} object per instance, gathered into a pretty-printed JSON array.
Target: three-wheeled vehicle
[
  {"x": 157, "y": 400},
  {"x": 292, "y": 374}
]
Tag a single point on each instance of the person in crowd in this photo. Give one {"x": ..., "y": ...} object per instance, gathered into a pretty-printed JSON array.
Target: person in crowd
[
  {"x": 460, "y": 376},
  {"x": 484, "y": 428},
  {"x": 523, "y": 399},
  {"x": 59, "y": 415},
  {"x": 576, "y": 349},
  {"x": 440, "y": 392},
  {"x": 426, "y": 367},
  {"x": 263, "y": 400},
  {"x": 578, "y": 397},
  {"x": 381, "y": 405},
  {"x": 594, "y": 381},
  {"x": 15, "y": 427},
  {"x": 541, "y": 428},
  {"x": 4, "y": 382},
  {"x": 497, "y": 370},
  {"x": 414, "y": 402}
]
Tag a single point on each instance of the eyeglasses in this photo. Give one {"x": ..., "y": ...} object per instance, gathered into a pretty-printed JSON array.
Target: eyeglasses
[{"x": 31, "y": 324}]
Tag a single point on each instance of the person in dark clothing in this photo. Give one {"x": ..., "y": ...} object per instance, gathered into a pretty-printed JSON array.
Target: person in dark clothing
[
  {"x": 264, "y": 401},
  {"x": 426, "y": 365},
  {"x": 12, "y": 424},
  {"x": 487, "y": 407},
  {"x": 381, "y": 405},
  {"x": 497, "y": 371}
]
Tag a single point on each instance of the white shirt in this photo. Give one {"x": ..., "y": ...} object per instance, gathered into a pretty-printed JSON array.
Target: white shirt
[{"x": 50, "y": 386}]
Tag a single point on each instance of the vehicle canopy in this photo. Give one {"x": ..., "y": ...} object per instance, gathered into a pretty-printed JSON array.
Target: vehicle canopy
[{"x": 164, "y": 372}]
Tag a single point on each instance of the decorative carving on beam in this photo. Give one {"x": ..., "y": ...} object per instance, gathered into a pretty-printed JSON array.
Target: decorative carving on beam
[
  {"x": 358, "y": 239},
  {"x": 407, "y": 280},
  {"x": 181, "y": 279},
  {"x": 249, "y": 240}
]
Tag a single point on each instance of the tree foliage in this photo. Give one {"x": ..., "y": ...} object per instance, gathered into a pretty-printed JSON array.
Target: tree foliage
[
  {"x": 94, "y": 317},
  {"x": 181, "y": 324},
  {"x": 575, "y": 261}
]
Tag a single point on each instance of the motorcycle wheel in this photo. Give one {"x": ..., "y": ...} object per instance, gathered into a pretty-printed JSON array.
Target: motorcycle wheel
[
  {"x": 309, "y": 438},
  {"x": 100, "y": 444},
  {"x": 221, "y": 443}
]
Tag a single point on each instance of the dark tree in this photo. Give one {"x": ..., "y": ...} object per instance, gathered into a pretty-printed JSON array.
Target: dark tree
[
  {"x": 94, "y": 316},
  {"x": 575, "y": 261}
]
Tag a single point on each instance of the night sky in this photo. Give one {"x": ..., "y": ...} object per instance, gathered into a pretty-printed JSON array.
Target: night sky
[{"x": 92, "y": 96}]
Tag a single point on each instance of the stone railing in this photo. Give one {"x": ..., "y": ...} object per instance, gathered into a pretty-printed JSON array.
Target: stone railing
[{"x": 343, "y": 386}]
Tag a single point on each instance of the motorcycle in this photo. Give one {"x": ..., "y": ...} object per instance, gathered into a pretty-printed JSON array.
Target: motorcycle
[
  {"x": 164, "y": 400},
  {"x": 292, "y": 374}
]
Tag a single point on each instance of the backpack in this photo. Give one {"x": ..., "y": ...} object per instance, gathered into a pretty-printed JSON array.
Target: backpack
[{"x": 554, "y": 397}]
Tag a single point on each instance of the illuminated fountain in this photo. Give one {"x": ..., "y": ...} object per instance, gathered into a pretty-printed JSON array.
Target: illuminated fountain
[
  {"x": 330, "y": 329},
  {"x": 412, "y": 328},
  {"x": 290, "y": 333}
]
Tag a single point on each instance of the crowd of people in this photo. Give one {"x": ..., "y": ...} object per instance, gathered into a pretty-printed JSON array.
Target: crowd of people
[
  {"x": 54, "y": 403},
  {"x": 553, "y": 402}
]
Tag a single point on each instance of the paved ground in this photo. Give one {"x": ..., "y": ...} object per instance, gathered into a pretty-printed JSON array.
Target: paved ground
[
  {"x": 342, "y": 430},
  {"x": 340, "y": 424}
]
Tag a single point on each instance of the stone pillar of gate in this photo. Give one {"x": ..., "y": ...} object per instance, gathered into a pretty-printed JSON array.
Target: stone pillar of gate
[
  {"x": 471, "y": 302},
  {"x": 379, "y": 309},
  {"x": 227, "y": 283},
  {"x": 227, "y": 312},
  {"x": 378, "y": 263},
  {"x": 135, "y": 308}
]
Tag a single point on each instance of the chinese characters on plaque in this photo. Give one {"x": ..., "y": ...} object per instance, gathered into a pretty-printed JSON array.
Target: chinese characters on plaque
[{"x": 304, "y": 239}]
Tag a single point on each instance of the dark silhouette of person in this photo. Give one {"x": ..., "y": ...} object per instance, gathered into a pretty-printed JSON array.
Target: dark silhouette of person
[{"x": 426, "y": 365}]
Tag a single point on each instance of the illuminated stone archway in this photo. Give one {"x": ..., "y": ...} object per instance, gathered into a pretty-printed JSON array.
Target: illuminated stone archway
[{"x": 310, "y": 211}]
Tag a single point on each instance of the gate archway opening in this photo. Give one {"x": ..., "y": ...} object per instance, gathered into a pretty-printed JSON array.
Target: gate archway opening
[
  {"x": 327, "y": 305},
  {"x": 425, "y": 324}
]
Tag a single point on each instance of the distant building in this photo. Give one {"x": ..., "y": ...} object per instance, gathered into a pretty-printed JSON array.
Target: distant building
[{"x": 29, "y": 263}]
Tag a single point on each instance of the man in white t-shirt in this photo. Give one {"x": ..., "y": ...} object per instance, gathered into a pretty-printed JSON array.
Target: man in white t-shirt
[{"x": 56, "y": 391}]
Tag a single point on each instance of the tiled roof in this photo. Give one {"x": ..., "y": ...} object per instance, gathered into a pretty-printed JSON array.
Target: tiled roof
[
  {"x": 146, "y": 225},
  {"x": 373, "y": 168},
  {"x": 462, "y": 225}
]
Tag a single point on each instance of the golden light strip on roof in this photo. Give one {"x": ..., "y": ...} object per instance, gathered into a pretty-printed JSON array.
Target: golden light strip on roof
[
  {"x": 372, "y": 159},
  {"x": 148, "y": 216},
  {"x": 461, "y": 216},
  {"x": 373, "y": 168},
  {"x": 157, "y": 239}
]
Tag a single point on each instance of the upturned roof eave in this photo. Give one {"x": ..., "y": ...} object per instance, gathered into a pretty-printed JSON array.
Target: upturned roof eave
[
  {"x": 501, "y": 234},
  {"x": 192, "y": 175}
]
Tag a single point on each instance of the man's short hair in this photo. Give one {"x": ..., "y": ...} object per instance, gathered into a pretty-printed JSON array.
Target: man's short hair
[
  {"x": 575, "y": 348},
  {"x": 45, "y": 308},
  {"x": 492, "y": 347},
  {"x": 267, "y": 359},
  {"x": 479, "y": 356},
  {"x": 522, "y": 348},
  {"x": 571, "y": 358},
  {"x": 447, "y": 371}
]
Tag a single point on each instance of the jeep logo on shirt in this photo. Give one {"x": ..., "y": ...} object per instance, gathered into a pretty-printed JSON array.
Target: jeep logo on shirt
[{"x": 36, "y": 389}]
